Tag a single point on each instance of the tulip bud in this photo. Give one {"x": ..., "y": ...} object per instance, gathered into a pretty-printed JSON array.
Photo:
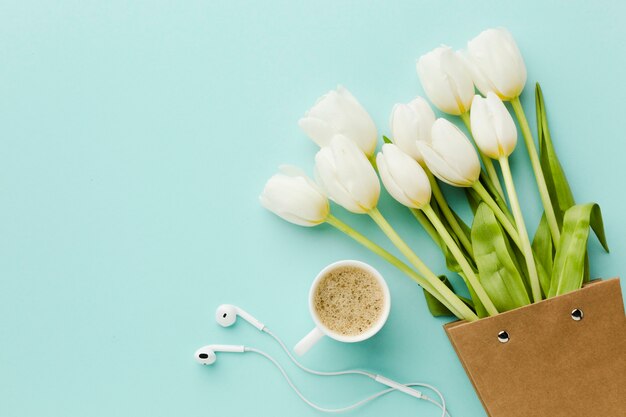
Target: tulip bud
[
  {"x": 409, "y": 123},
  {"x": 450, "y": 156},
  {"x": 339, "y": 113},
  {"x": 347, "y": 176},
  {"x": 493, "y": 127},
  {"x": 446, "y": 80},
  {"x": 496, "y": 64},
  {"x": 293, "y": 196},
  {"x": 403, "y": 177}
]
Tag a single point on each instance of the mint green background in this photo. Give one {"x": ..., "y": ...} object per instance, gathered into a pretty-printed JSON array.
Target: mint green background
[{"x": 135, "y": 138}]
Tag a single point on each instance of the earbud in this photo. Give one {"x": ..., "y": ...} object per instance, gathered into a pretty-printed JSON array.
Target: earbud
[
  {"x": 206, "y": 354},
  {"x": 226, "y": 315}
]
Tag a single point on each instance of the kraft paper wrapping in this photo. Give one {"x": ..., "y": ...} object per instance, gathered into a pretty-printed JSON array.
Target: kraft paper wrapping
[{"x": 552, "y": 365}]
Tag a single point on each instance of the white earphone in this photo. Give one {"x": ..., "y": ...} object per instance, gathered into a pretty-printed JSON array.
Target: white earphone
[
  {"x": 206, "y": 354},
  {"x": 226, "y": 315}
]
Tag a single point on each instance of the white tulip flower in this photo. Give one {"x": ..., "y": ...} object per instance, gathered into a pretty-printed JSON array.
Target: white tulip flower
[
  {"x": 403, "y": 177},
  {"x": 347, "y": 176},
  {"x": 296, "y": 198},
  {"x": 493, "y": 127},
  {"x": 409, "y": 123},
  {"x": 450, "y": 156},
  {"x": 339, "y": 113},
  {"x": 446, "y": 80},
  {"x": 496, "y": 64}
]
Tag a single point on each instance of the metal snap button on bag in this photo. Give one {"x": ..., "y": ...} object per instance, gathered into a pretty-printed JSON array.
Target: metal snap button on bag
[{"x": 577, "y": 314}]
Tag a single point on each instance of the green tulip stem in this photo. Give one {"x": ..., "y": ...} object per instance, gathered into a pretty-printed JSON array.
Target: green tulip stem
[
  {"x": 447, "y": 213},
  {"x": 458, "y": 255},
  {"x": 487, "y": 162},
  {"x": 503, "y": 218},
  {"x": 447, "y": 298},
  {"x": 427, "y": 225},
  {"x": 429, "y": 275},
  {"x": 521, "y": 228},
  {"x": 541, "y": 181}
]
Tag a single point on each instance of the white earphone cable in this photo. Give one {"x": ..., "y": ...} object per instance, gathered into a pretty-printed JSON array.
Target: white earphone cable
[
  {"x": 226, "y": 315},
  {"x": 350, "y": 407},
  {"x": 312, "y": 371},
  {"x": 278, "y": 340}
]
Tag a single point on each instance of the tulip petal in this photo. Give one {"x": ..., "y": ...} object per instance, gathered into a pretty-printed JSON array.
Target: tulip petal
[
  {"x": 405, "y": 176},
  {"x": 356, "y": 173},
  {"x": 450, "y": 156},
  {"x": 409, "y": 123},
  {"x": 480, "y": 79},
  {"x": 326, "y": 175},
  {"x": 503, "y": 124},
  {"x": 483, "y": 128},
  {"x": 347, "y": 176},
  {"x": 440, "y": 168},
  {"x": 497, "y": 63},
  {"x": 455, "y": 147},
  {"x": 295, "y": 199},
  {"x": 446, "y": 81},
  {"x": 404, "y": 129},
  {"x": 493, "y": 127},
  {"x": 338, "y": 112},
  {"x": 390, "y": 184},
  {"x": 317, "y": 129},
  {"x": 294, "y": 171}
]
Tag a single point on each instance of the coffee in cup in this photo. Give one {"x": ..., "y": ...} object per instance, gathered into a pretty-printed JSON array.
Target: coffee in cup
[{"x": 349, "y": 301}]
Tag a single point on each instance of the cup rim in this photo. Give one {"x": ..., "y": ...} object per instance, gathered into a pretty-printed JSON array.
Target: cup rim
[{"x": 386, "y": 306}]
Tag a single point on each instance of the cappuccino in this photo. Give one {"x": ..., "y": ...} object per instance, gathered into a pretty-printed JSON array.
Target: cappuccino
[{"x": 349, "y": 300}]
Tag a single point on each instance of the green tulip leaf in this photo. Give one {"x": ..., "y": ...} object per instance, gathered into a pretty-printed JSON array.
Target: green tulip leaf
[
  {"x": 435, "y": 307},
  {"x": 386, "y": 139},
  {"x": 558, "y": 187},
  {"x": 521, "y": 262},
  {"x": 544, "y": 253},
  {"x": 474, "y": 201},
  {"x": 499, "y": 270},
  {"x": 597, "y": 225},
  {"x": 569, "y": 263},
  {"x": 586, "y": 273},
  {"x": 479, "y": 308},
  {"x": 545, "y": 276}
]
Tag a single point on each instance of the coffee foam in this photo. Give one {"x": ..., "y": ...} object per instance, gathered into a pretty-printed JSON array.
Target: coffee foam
[{"x": 349, "y": 300}]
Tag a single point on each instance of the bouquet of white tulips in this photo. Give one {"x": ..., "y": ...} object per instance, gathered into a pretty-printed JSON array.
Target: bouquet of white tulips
[{"x": 500, "y": 265}]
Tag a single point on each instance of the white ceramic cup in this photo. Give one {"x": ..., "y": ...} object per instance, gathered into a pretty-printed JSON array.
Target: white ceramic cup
[{"x": 320, "y": 330}]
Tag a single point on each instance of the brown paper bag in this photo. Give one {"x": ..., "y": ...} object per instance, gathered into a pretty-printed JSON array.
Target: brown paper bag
[{"x": 552, "y": 365}]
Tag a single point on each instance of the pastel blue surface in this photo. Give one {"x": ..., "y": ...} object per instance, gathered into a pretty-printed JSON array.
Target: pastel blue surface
[{"x": 135, "y": 139}]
